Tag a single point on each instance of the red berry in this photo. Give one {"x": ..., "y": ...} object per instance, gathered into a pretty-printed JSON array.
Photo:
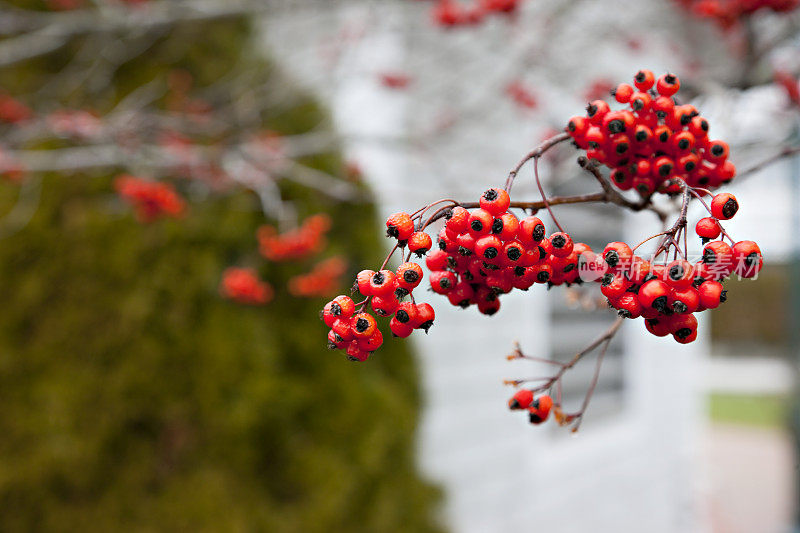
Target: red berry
[
  {"x": 341, "y": 327},
  {"x": 382, "y": 282},
  {"x": 668, "y": 84},
  {"x": 522, "y": 399},
  {"x": 540, "y": 409},
  {"x": 400, "y": 226},
  {"x": 562, "y": 244},
  {"x": 531, "y": 230},
  {"x": 400, "y": 329},
  {"x": 654, "y": 294},
  {"x": 419, "y": 242},
  {"x": 457, "y": 220},
  {"x": 442, "y": 281},
  {"x": 613, "y": 286},
  {"x": 495, "y": 201},
  {"x": 719, "y": 260},
  {"x": 628, "y": 305},
  {"x": 618, "y": 255},
  {"x": 425, "y": 316},
  {"x": 363, "y": 325},
  {"x": 724, "y": 206},
  {"x": 363, "y": 279},
  {"x": 371, "y": 343},
  {"x": 622, "y": 93},
  {"x": 708, "y": 228},
  {"x": 680, "y": 273},
  {"x": 685, "y": 299},
  {"x": 480, "y": 222},
  {"x": 712, "y": 294},
  {"x": 505, "y": 226},
  {"x": 488, "y": 247},
  {"x": 644, "y": 80},
  {"x": 436, "y": 260},
  {"x": 355, "y": 353},
  {"x": 409, "y": 275},
  {"x": 577, "y": 126},
  {"x": 384, "y": 305},
  {"x": 717, "y": 151},
  {"x": 747, "y": 259},
  {"x": 345, "y": 304}
]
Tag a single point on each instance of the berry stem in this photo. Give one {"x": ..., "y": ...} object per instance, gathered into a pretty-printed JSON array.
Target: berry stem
[
  {"x": 536, "y": 153},
  {"x": 544, "y": 196},
  {"x": 578, "y": 417}
]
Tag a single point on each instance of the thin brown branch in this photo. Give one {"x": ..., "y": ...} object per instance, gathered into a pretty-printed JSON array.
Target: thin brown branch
[
  {"x": 535, "y": 153},
  {"x": 786, "y": 152}
]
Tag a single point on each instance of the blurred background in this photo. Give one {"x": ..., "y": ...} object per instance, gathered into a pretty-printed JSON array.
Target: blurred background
[{"x": 185, "y": 184}]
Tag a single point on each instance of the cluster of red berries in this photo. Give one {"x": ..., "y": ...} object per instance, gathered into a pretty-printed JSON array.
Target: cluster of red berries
[
  {"x": 243, "y": 285},
  {"x": 667, "y": 295},
  {"x": 538, "y": 407},
  {"x": 151, "y": 199},
  {"x": 356, "y": 331},
  {"x": 654, "y": 141},
  {"x": 12, "y": 111},
  {"x": 488, "y": 252},
  {"x": 452, "y": 13},
  {"x": 727, "y": 13},
  {"x": 307, "y": 239},
  {"x": 323, "y": 280}
]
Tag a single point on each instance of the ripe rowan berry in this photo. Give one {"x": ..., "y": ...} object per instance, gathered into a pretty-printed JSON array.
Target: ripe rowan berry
[
  {"x": 531, "y": 230},
  {"x": 617, "y": 254},
  {"x": 384, "y": 305},
  {"x": 747, "y": 259},
  {"x": 442, "y": 281},
  {"x": 644, "y": 80},
  {"x": 539, "y": 409},
  {"x": 654, "y": 294},
  {"x": 419, "y": 242},
  {"x": 363, "y": 325},
  {"x": 457, "y": 220},
  {"x": 436, "y": 260},
  {"x": 495, "y": 201},
  {"x": 480, "y": 222},
  {"x": 622, "y": 93},
  {"x": 685, "y": 299},
  {"x": 409, "y": 275},
  {"x": 562, "y": 244},
  {"x": 363, "y": 280},
  {"x": 577, "y": 126},
  {"x": 711, "y": 294},
  {"x": 382, "y": 283},
  {"x": 355, "y": 353},
  {"x": 522, "y": 399},
  {"x": 668, "y": 84},
  {"x": 628, "y": 305},
  {"x": 346, "y": 306},
  {"x": 719, "y": 260},
  {"x": 400, "y": 226},
  {"x": 488, "y": 247},
  {"x": 708, "y": 228},
  {"x": 400, "y": 329},
  {"x": 717, "y": 150},
  {"x": 425, "y": 317},
  {"x": 680, "y": 273},
  {"x": 371, "y": 343}
]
